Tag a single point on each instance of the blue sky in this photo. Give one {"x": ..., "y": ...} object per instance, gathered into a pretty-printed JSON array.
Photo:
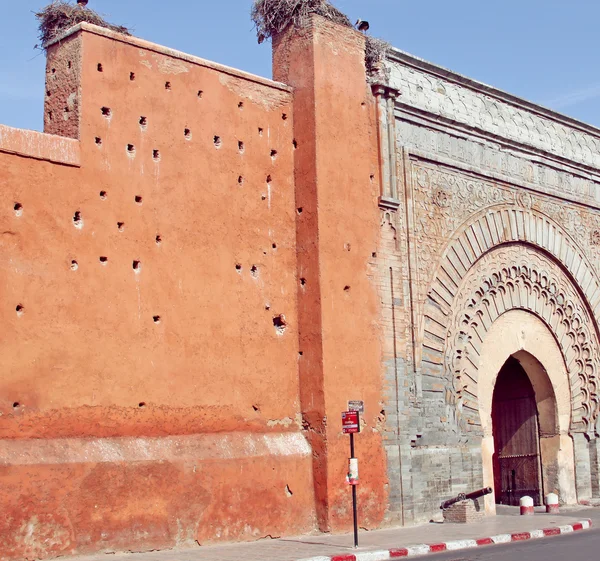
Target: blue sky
[{"x": 542, "y": 50}]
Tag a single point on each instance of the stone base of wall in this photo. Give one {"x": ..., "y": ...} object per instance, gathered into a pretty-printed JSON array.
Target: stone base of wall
[
  {"x": 464, "y": 512},
  {"x": 81, "y": 496}
]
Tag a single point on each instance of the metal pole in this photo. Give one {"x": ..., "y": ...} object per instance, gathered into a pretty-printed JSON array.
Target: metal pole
[{"x": 354, "y": 507}]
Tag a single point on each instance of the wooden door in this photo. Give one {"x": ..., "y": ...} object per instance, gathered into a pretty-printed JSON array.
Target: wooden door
[{"x": 516, "y": 437}]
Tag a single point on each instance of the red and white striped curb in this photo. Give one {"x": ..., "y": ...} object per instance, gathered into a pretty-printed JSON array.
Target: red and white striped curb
[{"x": 386, "y": 554}]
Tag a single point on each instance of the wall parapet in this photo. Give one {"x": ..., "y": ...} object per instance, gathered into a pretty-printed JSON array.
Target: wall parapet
[
  {"x": 480, "y": 107},
  {"x": 39, "y": 145},
  {"x": 160, "y": 49}
]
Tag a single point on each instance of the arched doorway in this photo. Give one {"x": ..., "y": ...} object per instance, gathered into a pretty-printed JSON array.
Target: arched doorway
[
  {"x": 523, "y": 337},
  {"x": 515, "y": 424}
]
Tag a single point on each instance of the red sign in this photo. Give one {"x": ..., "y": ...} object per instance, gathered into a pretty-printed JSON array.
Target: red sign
[{"x": 350, "y": 422}]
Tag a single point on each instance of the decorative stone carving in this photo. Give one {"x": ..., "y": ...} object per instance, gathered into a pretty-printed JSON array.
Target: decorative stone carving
[
  {"x": 490, "y": 158},
  {"x": 520, "y": 277},
  {"x": 479, "y": 110}
]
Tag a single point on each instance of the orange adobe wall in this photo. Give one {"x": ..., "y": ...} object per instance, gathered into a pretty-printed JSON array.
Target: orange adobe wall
[
  {"x": 337, "y": 189},
  {"x": 189, "y": 301},
  {"x": 149, "y": 394}
]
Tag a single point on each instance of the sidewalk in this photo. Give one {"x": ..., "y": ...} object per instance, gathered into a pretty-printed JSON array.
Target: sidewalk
[{"x": 325, "y": 546}]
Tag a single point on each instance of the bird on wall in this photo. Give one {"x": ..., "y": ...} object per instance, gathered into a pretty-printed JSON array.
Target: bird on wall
[
  {"x": 362, "y": 25},
  {"x": 82, "y": 3}
]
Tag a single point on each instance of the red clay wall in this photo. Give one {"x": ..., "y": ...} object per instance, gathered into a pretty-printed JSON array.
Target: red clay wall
[
  {"x": 337, "y": 234},
  {"x": 149, "y": 391}
]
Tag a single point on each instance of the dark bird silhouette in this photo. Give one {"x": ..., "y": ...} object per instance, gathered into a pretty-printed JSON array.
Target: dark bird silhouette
[
  {"x": 82, "y": 3},
  {"x": 362, "y": 25}
]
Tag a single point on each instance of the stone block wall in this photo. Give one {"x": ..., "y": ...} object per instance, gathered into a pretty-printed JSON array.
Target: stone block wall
[{"x": 462, "y": 153}]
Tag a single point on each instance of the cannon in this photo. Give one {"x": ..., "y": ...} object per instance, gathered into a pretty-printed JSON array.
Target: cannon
[{"x": 463, "y": 497}]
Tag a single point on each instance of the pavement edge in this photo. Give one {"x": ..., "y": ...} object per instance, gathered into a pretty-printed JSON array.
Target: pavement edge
[{"x": 455, "y": 545}]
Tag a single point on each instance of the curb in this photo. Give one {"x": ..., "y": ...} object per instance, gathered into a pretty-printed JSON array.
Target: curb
[{"x": 424, "y": 549}]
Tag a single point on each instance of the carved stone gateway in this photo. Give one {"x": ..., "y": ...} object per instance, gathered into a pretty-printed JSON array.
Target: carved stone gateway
[{"x": 496, "y": 256}]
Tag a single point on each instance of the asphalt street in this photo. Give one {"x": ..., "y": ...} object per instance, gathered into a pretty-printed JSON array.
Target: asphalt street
[{"x": 580, "y": 546}]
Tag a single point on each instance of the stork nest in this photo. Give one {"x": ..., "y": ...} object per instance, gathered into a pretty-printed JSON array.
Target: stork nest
[
  {"x": 61, "y": 15},
  {"x": 271, "y": 17},
  {"x": 376, "y": 51}
]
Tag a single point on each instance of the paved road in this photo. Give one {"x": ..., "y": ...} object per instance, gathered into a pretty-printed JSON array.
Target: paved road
[{"x": 580, "y": 546}]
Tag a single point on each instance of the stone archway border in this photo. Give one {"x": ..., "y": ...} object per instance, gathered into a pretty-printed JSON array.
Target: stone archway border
[
  {"x": 569, "y": 312},
  {"x": 501, "y": 225}
]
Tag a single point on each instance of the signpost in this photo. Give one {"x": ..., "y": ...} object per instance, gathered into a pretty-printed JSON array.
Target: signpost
[{"x": 351, "y": 425}]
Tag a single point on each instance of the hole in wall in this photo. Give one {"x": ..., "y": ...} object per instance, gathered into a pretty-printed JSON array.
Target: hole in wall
[
  {"x": 260, "y": 131},
  {"x": 280, "y": 324},
  {"x": 238, "y": 267},
  {"x": 263, "y": 197},
  {"x": 98, "y": 141},
  {"x": 18, "y": 208},
  {"x": 288, "y": 491},
  {"x": 53, "y": 71},
  {"x": 120, "y": 226},
  {"x": 156, "y": 155},
  {"x": 50, "y": 115},
  {"x": 106, "y": 112},
  {"x": 254, "y": 271},
  {"x": 200, "y": 94},
  {"x": 168, "y": 86},
  {"x": 274, "y": 246},
  {"x": 74, "y": 265},
  {"x": 302, "y": 281},
  {"x": 267, "y": 307},
  {"x": 295, "y": 144},
  {"x": 100, "y": 68},
  {"x": 20, "y": 309},
  {"x": 187, "y": 133},
  {"x": 142, "y": 404},
  {"x": 284, "y": 116},
  {"x": 143, "y": 122},
  {"x": 132, "y": 76},
  {"x": 48, "y": 93},
  {"x": 256, "y": 408},
  {"x": 158, "y": 240},
  {"x": 300, "y": 210},
  {"x": 217, "y": 141},
  {"x": 241, "y": 105},
  {"x": 77, "y": 220},
  {"x": 240, "y": 180},
  {"x": 273, "y": 154},
  {"x": 16, "y": 405},
  {"x": 300, "y": 353},
  {"x": 131, "y": 150},
  {"x": 156, "y": 319},
  {"x": 372, "y": 178},
  {"x": 138, "y": 200},
  {"x": 241, "y": 147},
  {"x": 137, "y": 266},
  {"x": 374, "y": 254},
  {"x": 103, "y": 195},
  {"x": 269, "y": 179},
  {"x": 103, "y": 259},
  {"x": 346, "y": 288}
]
